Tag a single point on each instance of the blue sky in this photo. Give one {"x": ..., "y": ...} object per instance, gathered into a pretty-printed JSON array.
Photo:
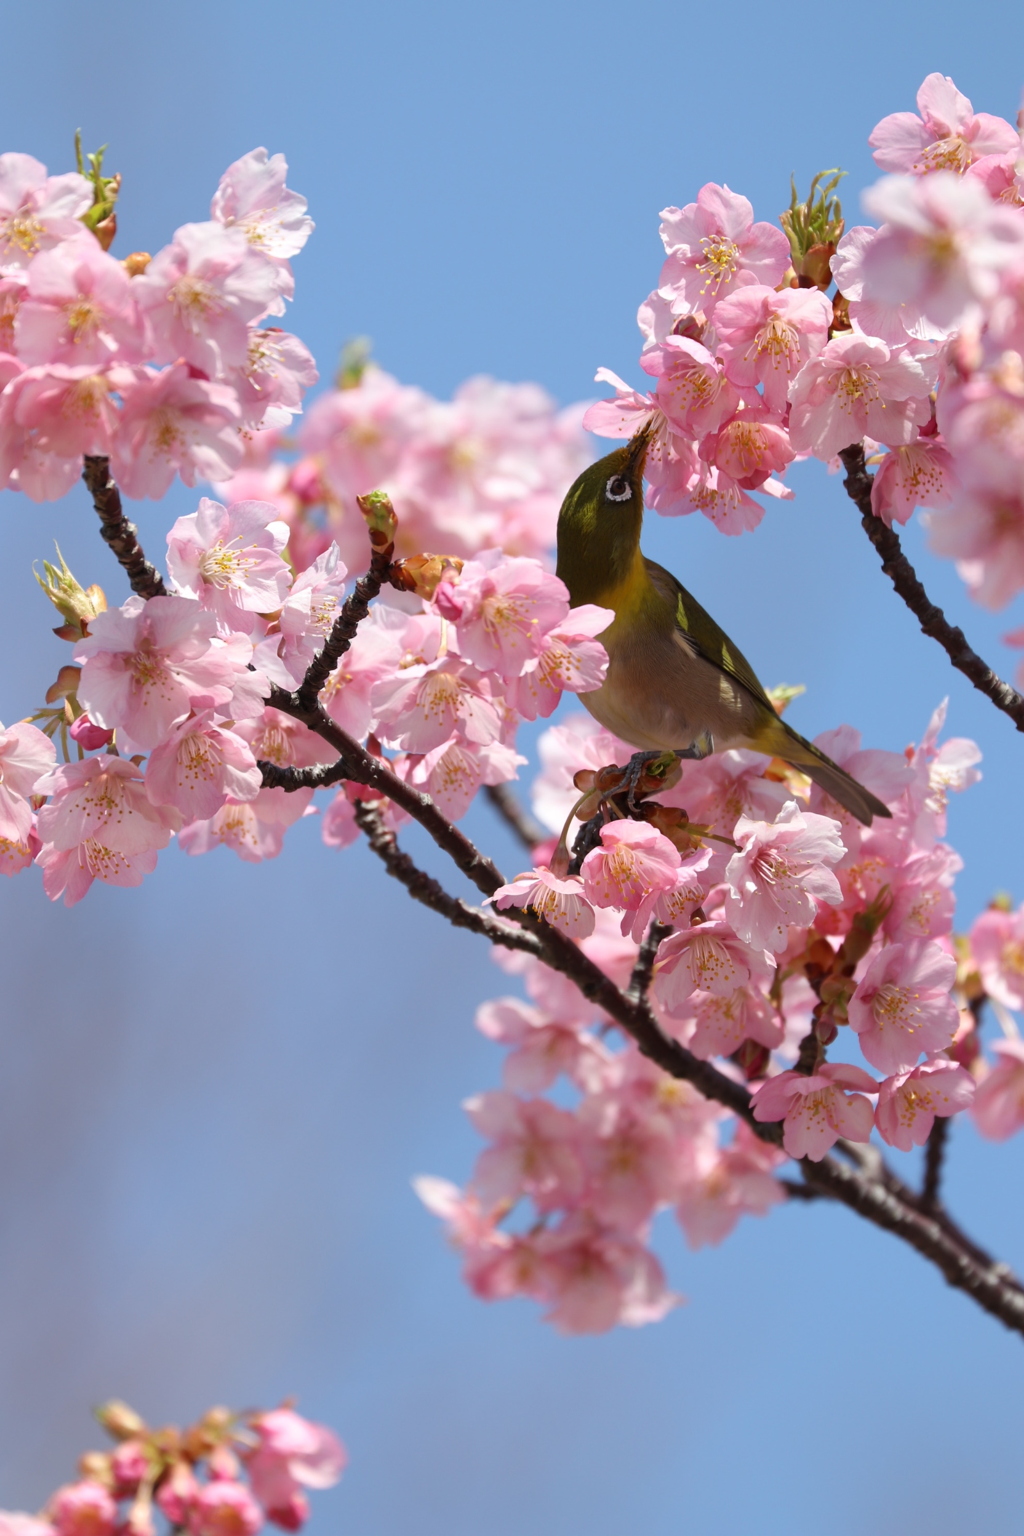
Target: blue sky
[{"x": 214, "y": 1092}]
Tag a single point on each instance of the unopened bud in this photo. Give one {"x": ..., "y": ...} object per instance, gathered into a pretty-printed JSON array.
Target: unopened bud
[
  {"x": 752, "y": 1058},
  {"x": 380, "y": 517},
  {"x": 136, "y": 263},
  {"x": 783, "y": 694},
  {"x": 840, "y": 314},
  {"x": 354, "y": 361},
  {"x": 119, "y": 1420},
  {"x": 96, "y": 1467},
  {"x": 422, "y": 574},
  {"x": 76, "y": 604},
  {"x": 814, "y": 227}
]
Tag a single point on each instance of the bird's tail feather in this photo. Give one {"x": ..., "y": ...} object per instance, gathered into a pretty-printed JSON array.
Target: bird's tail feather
[{"x": 835, "y": 781}]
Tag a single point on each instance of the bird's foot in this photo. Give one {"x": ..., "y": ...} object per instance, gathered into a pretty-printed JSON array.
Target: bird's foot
[
  {"x": 702, "y": 747},
  {"x": 648, "y": 772}
]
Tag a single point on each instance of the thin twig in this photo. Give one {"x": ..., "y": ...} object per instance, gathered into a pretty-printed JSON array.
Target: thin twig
[
  {"x": 117, "y": 531},
  {"x": 516, "y": 816},
  {"x": 797, "y": 1191},
  {"x": 931, "y": 618},
  {"x": 424, "y": 888},
  {"x": 354, "y": 610}
]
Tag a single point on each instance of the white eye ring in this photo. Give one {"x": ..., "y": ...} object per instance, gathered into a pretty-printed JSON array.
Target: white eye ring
[{"x": 618, "y": 489}]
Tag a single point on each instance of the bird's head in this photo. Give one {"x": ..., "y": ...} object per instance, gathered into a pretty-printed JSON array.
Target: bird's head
[{"x": 599, "y": 524}]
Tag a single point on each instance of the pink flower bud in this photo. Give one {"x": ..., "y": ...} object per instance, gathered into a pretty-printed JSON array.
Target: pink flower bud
[
  {"x": 83, "y": 1509},
  {"x": 224, "y": 1508}
]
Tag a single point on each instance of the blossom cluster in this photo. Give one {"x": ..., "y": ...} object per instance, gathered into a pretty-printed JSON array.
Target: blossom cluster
[
  {"x": 226, "y": 1475},
  {"x": 487, "y": 468},
  {"x": 771, "y": 344},
  {"x": 168, "y": 707},
  {"x": 164, "y": 364},
  {"x": 788, "y": 926}
]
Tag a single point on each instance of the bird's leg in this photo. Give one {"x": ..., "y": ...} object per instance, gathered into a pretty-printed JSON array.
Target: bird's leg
[
  {"x": 702, "y": 747},
  {"x": 655, "y": 767}
]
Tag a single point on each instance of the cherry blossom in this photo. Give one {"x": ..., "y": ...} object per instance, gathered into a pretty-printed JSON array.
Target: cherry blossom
[
  {"x": 856, "y": 386},
  {"x": 503, "y": 609},
  {"x": 146, "y": 665},
  {"x": 948, "y": 136},
  {"x": 999, "y": 1100},
  {"x": 818, "y": 1109},
  {"x": 559, "y": 901},
  {"x": 229, "y": 559},
  {"x": 710, "y": 957},
  {"x": 726, "y": 1183},
  {"x": 200, "y": 765},
  {"x": 85, "y": 1508},
  {"x": 543, "y": 1048},
  {"x": 909, "y": 1102},
  {"x": 172, "y": 423},
  {"x": 572, "y": 660},
  {"x": 997, "y": 944},
  {"x": 25, "y": 755},
  {"x": 635, "y": 861},
  {"x": 422, "y": 707},
  {"x": 252, "y": 196},
  {"x": 292, "y": 1453},
  {"x": 902, "y": 1005},
  {"x": 692, "y": 390},
  {"x": 78, "y": 309},
  {"x": 780, "y": 875},
  {"x": 912, "y": 475},
  {"x": 99, "y": 825},
  {"x": 223, "y": 1507},
  {"x": 49, "y": 418},
  {"x": 714, "y": 247},
  {"x": 592, "y": 1277},
  {"x": 766, "y": 337},
  {"x": 37, "y": 211}
]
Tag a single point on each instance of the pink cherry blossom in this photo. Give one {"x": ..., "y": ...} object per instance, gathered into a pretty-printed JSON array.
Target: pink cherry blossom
[
  {"x": 714, "y": 247},
  {"x": 726, "y": 1183},
  {"x": 560, "y": 902},
  {"x": 571, "y": 661},
  {"x": 229, "y": 559},
  {"x": 536, "y": 1150},
  {"x": 724, "y": 1022},
  {"x": 177, "y": 1493},
  {"x": 423, "y": 706},
  {"x": 147, "y": 664},
  {"x": 983, "y": 531},
  {"x": 277, "y": 372},
  {"x": 37, "y": 211},
  {"x": 674, "y": 904},
  {"x": 592, "y": 1277},
  {"x": 452, "y": 773},
  {"x": 543, "y": 1048},
  {"x": 909, "y": 1102},
  {"x": 199, "y": 293},
  {"x": 85, "y": 1508},
  {"x": 693, "y": 390},
  {"x": 999, "y": 1100},
  {"x": 766, "y": 337},
  {"x": 780, "y": 875},
  {"x": 902, "y": 1005},
  {"x": 856, "y": 387},
  {"x": 504, "y": 608},
  {"x": 634, "y": 862},
  {"x": 253, "y": 829},
  {"x": 912, "y": 475},
  {"x": 306, "y": 619},
  {"x": 292, "y": 1453},
  {"x": 173, "y": 423},
  {"x": 99, "y": 825},
  {"x": 943, "y": 245},
  {"x": 997, "y": 944},
  {"x": 198, "y": 766},
  {"x": 25, "y": 755},
  {"x": 49, "y": 417},
  {"x": 894, "y": 323},
  {"x": 224, "y": 1508},
  {"x": 78, "y": 309},
  {"x": 14, "y": 1523},
  {"x": 748, "y": 450},
  {"x": 816, "y": 1110},
  {"x": 371, "y": 657},
  {"x": 631, "y": 1159},
  {"x": 948, "y": 136},
  {"x": 709, "y": 957},
  {"x": 360, "y": 435},
  {"x": 624, "y": 415},
  {"x": 252, "y": 196}
]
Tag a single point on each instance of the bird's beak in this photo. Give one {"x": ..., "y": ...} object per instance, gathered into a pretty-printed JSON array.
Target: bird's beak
[{"x": 637, "y": 450}]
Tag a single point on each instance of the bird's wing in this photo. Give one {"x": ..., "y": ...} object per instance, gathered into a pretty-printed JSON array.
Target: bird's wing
[{"x": 701, "y": 632}]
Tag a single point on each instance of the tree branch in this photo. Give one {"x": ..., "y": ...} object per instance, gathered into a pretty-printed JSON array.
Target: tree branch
[
  {"x": 931, "y": 618},
  {"x": 117, "y": 531},
  {"x": 515, "y": 815},
  {"x": 354, "y": 610},
  {"x": 643, "y": 967},
  {"x": 424, "y": 888},
  {"x": 934, "y": 1154}
]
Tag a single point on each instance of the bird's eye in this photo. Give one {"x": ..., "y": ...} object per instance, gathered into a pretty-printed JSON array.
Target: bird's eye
[{"x": 618, "y": 489}]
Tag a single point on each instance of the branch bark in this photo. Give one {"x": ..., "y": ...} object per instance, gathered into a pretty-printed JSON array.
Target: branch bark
[
  {"x": 904, "y": 578},
  {"x": 117, "y": 531}
]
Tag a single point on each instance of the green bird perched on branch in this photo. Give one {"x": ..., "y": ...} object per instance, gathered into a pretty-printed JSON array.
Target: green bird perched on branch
[{"x": 675, "y": 682}]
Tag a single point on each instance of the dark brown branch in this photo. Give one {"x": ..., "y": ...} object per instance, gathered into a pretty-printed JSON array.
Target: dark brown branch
[
  {"x": 931, "y": 618},
  {"x": 643, "y": 967},
  {"x": 934, "y": 1155},
  {"x": 797, "y": 1191},
  {"x": 354, "y": 610},
  {"x": 288, "y": 778},
  {"x": 515, "y": 815},
  {"x": 117, "y": 531},
  {"x": 424, "y": 888}
]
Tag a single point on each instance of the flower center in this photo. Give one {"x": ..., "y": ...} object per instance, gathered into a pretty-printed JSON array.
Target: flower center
[
  {"x": 720, "y": 263},
  {"x": 83, "y": 319},
  {"x": 222, "y": 566}
]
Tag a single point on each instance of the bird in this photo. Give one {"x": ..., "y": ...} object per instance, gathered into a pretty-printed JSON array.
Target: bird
[{"x": 675, "y": 683}]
